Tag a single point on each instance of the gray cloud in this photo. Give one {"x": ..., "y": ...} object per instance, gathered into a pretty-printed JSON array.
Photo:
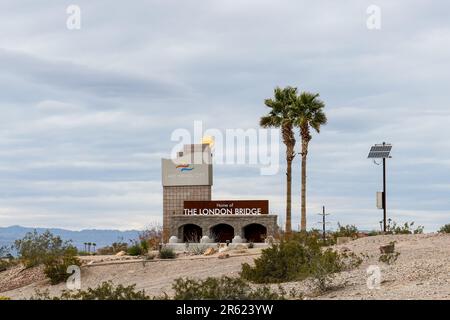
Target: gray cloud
[{"x": 86, "y": 115}]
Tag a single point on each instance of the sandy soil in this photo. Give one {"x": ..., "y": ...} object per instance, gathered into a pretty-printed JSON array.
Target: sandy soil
[
  {"x": 422, "y": 271},
  {"x": 155, "y": 277}
]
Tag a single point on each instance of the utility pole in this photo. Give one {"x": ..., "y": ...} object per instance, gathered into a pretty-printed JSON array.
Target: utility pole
[{"x": 324, "y": 223}]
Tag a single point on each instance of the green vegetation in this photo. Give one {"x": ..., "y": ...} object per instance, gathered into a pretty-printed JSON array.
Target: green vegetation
[
  {"x": 6, "y": 259},
  {"x": 136, "y": 249},
  {"x": 56, "y": 267},
  {"x": 35, "y": 249},
  {"x": 406, "y": 228},
  {"x": 196, "y": 249},
  {"x": 152, "y": 237},
  {"x": 167, "y": 253},
  {"x": 374, "y": 233},
  {"x": 389, "y": 256},
  {"x": 116, "y": 247},
  {"x": 224, "y": 288},
  {"x": 105, "y": 291},
  {"x": 149, "y": 239},
  {"x": 298, "y": 259},
  {"x": 445, "y": 228},
  {"x": 56, "y": 255},
  {"x": 346, "y": 231}
]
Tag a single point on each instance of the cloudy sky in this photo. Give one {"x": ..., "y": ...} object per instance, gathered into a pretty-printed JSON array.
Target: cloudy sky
[{"x": 87, "y": 114}]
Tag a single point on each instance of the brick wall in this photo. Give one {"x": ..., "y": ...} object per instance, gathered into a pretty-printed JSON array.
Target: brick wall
[{"x": 173, "y": 202}]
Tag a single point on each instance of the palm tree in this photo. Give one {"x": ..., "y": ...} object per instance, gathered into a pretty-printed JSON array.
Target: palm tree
[
  {"x": 94, "y": 245},
  {"x": 308, "y": 110},
  {"x": 280, "y": 116},
  {"x": 85, "y": 247}
]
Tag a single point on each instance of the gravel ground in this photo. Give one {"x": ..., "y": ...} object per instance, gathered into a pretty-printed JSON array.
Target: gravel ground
[
  {"x": 422, "y": 271},
  {"x": 155, "y": 277}
]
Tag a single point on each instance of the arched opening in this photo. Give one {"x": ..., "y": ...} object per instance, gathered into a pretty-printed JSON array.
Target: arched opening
[
  {"x": 222, "y": 232},
  {"x": 191, "y": 233},
  {"x": 255, "y": 232}
]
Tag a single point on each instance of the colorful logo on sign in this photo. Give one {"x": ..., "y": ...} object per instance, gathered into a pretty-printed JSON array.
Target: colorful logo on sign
[{"x": 185, "y": 167}]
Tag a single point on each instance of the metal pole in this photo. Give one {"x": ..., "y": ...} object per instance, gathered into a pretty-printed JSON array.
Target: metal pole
[
  {"x": 384, "y": 194},
  {"x": 323, "y": 224}
]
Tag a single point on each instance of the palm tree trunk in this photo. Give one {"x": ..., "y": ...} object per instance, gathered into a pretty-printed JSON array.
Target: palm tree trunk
[
  {"x": 288, "y": 196},
  {"x": 303, "y": 189}
]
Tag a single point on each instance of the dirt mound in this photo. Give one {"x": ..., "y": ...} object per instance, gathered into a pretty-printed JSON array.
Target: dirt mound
[{"x": 20, "y": 276}]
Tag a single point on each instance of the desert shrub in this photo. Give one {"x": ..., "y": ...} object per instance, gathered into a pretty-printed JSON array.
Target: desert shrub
[
  {"x": 346, "y": 231},
  {"x": 445, "y": 228},
  {"x": 35, "y": 248},
  {"x": 4, "y": 298},
  {"x": 283, "y": 262},
  {"x": 105, "y": 291},
  {"x": 113, "y": 248},
  {"x": 196, "y": 249},
  {"x": 224, "y": 288},
  {"x": 406, "y": 228},
  {"x": 6, "y": 259},
  {"x": 297, "y": 260},
  {"x": 85, "y": 253},
  {"x": 321, "y": 269},
  {"x": 312, "y": 238},
  {"x": 135, "y": 249},
  {"x": 290, "y": 261},
  {"x": 144, "y": 245},
  {"x": 389, "y": 257},
  {"x": 56, "y": 267},
  {"x": 152, "y": 236},
  {"x": 251, "y": 245},
  {"x": 167, "y": 253}
]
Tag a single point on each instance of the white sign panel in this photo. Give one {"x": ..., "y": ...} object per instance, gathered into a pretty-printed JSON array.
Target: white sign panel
[
  {"x": 184, "y": 174},
  {"x": 380, "y": 200}
]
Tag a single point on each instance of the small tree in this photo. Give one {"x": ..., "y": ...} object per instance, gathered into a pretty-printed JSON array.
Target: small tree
[
  {"x": 445, "y": 228},
  {"x": 35, "y": 248}
]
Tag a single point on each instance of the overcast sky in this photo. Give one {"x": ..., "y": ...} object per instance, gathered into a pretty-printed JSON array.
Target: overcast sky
[{"x": 87, "y": 114}]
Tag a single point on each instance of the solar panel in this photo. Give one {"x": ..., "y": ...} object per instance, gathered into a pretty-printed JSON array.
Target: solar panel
[{"x": 380, "y": 151}]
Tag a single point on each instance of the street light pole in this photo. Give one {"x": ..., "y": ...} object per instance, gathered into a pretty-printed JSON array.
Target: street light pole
[{"x": 381, "y": 151}]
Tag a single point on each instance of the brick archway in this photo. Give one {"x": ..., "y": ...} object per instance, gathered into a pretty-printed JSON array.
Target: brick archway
[
  {"x": 222, "y": 232},
  {"x": 255, "y": 232},
  {"x": 190, "y": 232}
]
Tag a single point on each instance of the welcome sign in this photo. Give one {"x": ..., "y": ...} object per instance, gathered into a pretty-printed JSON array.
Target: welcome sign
[{"x": 226, "y": 207}]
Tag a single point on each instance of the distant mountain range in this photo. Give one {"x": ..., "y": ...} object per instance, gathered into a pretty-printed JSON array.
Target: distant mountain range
[{"x": 101, "y": 237}]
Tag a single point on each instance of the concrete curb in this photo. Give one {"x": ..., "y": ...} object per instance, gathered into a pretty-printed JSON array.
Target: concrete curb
[{"x": 162, "y": 260}]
